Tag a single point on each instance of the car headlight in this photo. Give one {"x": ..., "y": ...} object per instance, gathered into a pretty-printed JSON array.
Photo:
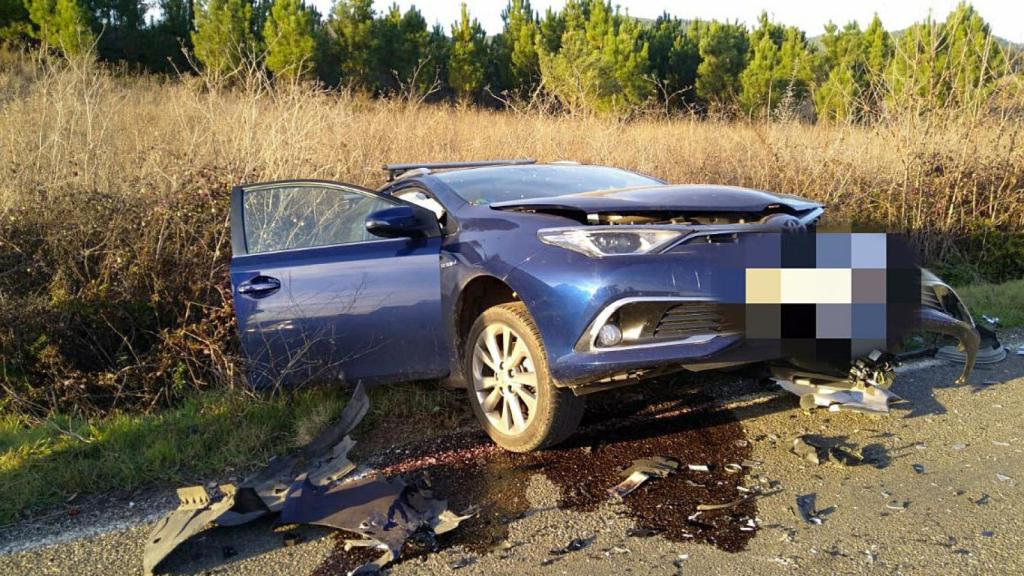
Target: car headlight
[{"x": 615, "y": 241}]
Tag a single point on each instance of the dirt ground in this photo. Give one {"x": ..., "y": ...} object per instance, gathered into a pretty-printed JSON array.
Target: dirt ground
[{"x": 939, "y": 492}]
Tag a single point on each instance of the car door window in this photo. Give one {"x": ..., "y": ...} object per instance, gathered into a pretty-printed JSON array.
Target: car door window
[{"x": 286, "y": 217}]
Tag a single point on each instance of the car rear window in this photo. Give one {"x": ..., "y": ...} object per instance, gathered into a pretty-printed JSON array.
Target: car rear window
[{"x": 505, "y": 183}]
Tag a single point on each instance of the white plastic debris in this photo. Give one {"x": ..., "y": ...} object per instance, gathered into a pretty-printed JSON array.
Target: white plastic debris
[{"x": 857, "y": 398}]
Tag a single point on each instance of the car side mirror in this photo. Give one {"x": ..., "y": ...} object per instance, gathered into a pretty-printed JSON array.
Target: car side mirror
[{"x": 403, "y": 222}]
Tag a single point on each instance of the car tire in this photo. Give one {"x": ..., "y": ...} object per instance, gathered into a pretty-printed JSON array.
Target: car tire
[{"x": 501, "y": 402}]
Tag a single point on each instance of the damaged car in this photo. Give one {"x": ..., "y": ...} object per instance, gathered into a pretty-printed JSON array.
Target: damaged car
[{"x": 533, "y": 285}]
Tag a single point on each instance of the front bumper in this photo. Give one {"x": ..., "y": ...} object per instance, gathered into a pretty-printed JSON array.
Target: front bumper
[{"x": 569, "y": 295}]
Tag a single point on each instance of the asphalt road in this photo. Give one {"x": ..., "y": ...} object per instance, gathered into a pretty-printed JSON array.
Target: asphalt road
[{"x": 940, "y": 492}]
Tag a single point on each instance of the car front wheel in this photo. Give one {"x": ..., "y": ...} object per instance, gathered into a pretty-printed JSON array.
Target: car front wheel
[{"x": 510, "y": 389}]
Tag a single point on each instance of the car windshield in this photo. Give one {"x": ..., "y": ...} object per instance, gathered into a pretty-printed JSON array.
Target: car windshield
[{"x": 489, "y": 185}]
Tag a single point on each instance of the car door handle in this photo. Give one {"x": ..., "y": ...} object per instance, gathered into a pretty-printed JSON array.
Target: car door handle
[{"x": 259, "y": 286}]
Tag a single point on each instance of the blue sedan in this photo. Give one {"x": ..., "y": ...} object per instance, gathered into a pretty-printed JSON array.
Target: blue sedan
[{"x": 533, "y": 285}]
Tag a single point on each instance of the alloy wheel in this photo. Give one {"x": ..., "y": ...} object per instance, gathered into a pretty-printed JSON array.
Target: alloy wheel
[{"x": 504, "y": 379}]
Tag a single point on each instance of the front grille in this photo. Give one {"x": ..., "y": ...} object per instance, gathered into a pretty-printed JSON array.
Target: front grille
[{"x": 692, "y": 319}]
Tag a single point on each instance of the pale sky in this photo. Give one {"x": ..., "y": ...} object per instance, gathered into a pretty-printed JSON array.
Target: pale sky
[{"x": 1006, "y": 17}]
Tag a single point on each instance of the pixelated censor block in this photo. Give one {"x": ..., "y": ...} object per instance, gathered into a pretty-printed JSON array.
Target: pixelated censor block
[{"x": 838, "y": 295}]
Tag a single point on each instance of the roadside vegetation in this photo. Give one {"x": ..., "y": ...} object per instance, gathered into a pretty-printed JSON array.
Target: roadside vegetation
[
  {"x": 218, "y": 435},
  {"x": 118, "y": 357},
  {"x": 1003, "y": 301}
]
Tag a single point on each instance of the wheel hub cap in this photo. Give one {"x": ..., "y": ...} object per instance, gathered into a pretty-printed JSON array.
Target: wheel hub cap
[{"x": 504, "y": 379}]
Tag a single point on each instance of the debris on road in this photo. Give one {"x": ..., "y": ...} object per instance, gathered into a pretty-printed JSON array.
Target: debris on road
[
  {"x": 698, "y": 467},
  {"x": 919, "y": 468},
  {"x": 816, "y": 451},
  {"x": 640, "y": 532},
  {"x": 311, "y": 487},
  {"x": 641, "y": 471},
  {"x": 806, "y": 508},
  {"x": 574, "y": 545},
  {"x": 733, "y": 468},
  {"x": 710, "y": 507},
  {"x": 463, "y": 562},
  {"x": 194, "y": 513},
  {"x": 858, "y": 398}
]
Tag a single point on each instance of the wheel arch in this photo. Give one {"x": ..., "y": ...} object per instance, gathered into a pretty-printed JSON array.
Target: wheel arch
[{"x": 479, "y": 294}]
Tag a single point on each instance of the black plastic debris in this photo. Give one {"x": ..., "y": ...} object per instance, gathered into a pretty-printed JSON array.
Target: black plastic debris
[
  {"x": 228, "y": 552},
  {"x": 806, "y": 506},
  {"x": 919, "y": 468},
  {"x": 641, "y": 471},
  {"x": 385, "y": 511},
  {"x": 641, "y": 532},
  {"x": 310, "y": 487},
  {"x": 574, "y": 545}
]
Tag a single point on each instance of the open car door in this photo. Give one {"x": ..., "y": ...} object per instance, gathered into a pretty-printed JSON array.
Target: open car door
[{"x": 318, "y": 297}]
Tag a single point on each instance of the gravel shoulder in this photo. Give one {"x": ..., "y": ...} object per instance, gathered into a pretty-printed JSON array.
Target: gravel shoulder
[{"x": 955, "y": 514}]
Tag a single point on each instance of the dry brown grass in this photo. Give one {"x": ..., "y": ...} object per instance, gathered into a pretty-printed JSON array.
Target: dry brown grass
[{"x": 113, "y": 200}]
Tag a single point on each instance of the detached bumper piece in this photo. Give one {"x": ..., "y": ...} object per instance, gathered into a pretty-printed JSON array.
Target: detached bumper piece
[
  {"x": 312, "y": 487},
  {"x": 943, "y": 312},
  {"x": 865, "y": 390}
]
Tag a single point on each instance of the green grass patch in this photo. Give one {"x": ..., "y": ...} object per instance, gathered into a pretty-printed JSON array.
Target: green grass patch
[
  {"x": 207, "y": 436},
  {"x": 42, "y": 463},
  {"x": 1005, "y": 301}
]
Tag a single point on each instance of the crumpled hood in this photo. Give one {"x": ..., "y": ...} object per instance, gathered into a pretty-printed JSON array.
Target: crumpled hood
[{"x": 672, "y": 197}]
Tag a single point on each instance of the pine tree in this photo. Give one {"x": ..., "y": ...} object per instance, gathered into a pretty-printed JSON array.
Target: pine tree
[
  {"x": 836, "y": 98},
  {"x": 439, "y": 49},
  {"x": 415, "y": 45},
  {"x": 521, "y": 33},
  {"x": 779, "y": 69},
  {"x": 223, "y": 38},
  {"x": 878, "y": 48},
  {"x": 466, "y": 64},
  {"x": 973, "y": 61},
  {"x": 602, "y": 63},
  {"x": 288, "y": 34},
  {"x": 352, "y": 27},
  {"x": 674, "y": 57},
  {"x": 14, "y": 20},
  {"x": 63, "y": 24},
  {"x": 757, "y": 79},
  {"x": 723, "y": 53},
  {"x": 400, "y": 45},
  {"x": 552, "y": 26},
  {"x": 794, "y": 74}
]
